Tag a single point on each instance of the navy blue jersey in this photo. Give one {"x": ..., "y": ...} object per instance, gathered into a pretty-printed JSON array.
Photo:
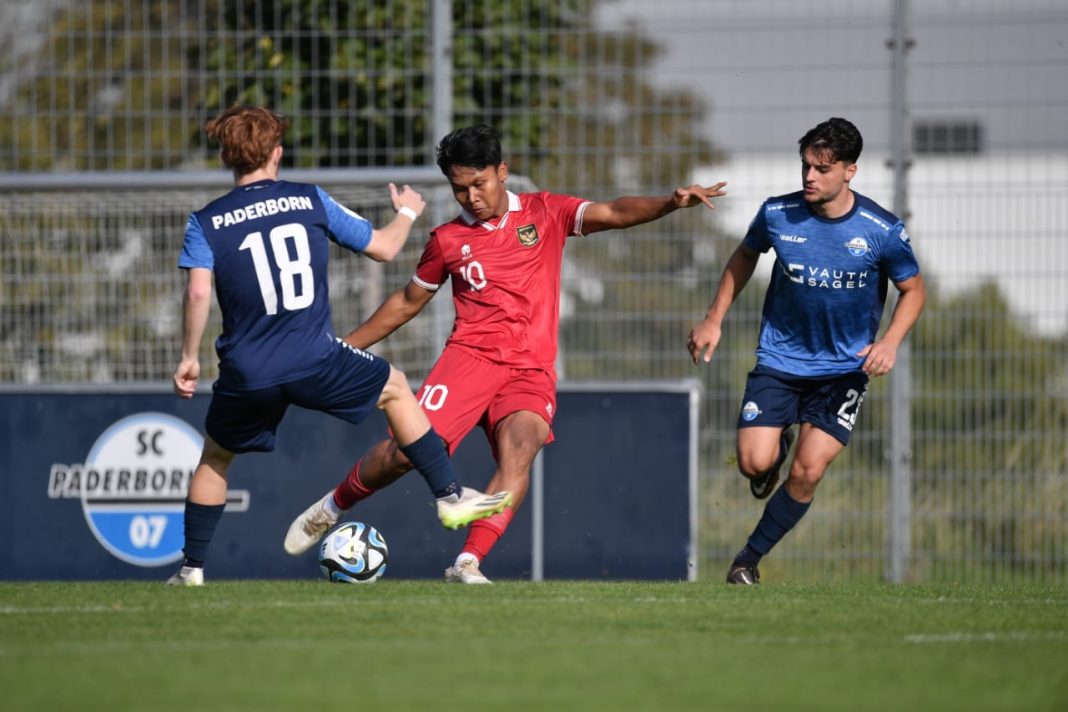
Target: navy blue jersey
[
  {"x": 267, "y": 245},
  {"x": 828, "y": 284}
]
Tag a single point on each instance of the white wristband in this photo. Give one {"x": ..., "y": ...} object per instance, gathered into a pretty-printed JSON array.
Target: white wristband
[{"x": 408, "y": 212}]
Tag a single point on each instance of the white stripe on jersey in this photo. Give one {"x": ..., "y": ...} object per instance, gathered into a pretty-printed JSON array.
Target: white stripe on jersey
[
  {"x": 578, "y": 219},
  {"x": 424, "y": 284}
]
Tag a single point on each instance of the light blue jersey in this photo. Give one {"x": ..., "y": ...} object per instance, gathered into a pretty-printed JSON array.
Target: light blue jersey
[{"x": 829, "y": 282}]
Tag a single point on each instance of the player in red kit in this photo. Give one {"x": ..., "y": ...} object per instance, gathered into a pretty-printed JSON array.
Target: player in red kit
[{"x": 504, "y": 254}]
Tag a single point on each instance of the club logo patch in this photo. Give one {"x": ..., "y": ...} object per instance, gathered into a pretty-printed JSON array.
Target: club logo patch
[
  {"x": 750, "y": 411},
  {"x": 528, "y": 235},
  {"x": 857, "y": 247}
]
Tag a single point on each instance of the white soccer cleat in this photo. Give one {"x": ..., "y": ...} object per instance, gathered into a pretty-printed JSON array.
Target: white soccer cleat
[
  {"x": 187, "y": 576},
  {"x": 455, "y": 512},
  {"x": 307, "y": 529},
  {"x": 466, "y": 572}
]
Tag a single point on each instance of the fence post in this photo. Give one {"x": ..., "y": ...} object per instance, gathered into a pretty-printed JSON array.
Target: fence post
[
  {"x": 900, "y": 452},
  {"x": 441, "y": 124}
]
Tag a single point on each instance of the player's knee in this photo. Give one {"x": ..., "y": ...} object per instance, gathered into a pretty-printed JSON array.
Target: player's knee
[
  {"x": 755, "y": 464},
  {"x": 396, "y": 386},
  {"x": 521, "y": 436},
  {"x": 515, "y": 462},
  {"x": 215, "y": 455},
  {"x": 804, "y": 478}
]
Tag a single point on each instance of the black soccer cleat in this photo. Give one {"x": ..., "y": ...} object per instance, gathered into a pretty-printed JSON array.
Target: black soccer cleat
[
  {"x": 743, "y": 575},
  {"x": 764, "y": 485}
]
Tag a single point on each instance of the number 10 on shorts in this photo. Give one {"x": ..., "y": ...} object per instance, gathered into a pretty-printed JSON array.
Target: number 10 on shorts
[{"x": 433, "y": 397}]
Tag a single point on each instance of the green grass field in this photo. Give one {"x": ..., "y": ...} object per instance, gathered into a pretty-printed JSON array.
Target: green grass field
[{"x": 522, "y": 646}]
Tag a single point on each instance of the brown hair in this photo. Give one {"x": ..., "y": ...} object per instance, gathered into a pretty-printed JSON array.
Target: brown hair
[
  {"x": 246, "y": 136},
  {"x": 837, "y": 136}
]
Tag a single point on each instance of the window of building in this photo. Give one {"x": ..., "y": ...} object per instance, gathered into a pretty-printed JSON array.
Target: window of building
[{"x": 947, "y": 136}]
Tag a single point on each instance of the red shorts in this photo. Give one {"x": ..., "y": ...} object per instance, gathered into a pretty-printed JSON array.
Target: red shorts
[{"x": 463, "y": 391}]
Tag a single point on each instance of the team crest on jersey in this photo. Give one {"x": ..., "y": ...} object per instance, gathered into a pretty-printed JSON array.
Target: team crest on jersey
[
  {"x": 857, "y": 247},
  {"x": 528, "y": 235}
]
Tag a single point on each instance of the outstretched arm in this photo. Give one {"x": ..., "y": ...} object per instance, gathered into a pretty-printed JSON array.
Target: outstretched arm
[
  {"x": 705, "y": 336},
  {"x": 386, "y": 242},
  {"x": 634, "y": 210},
  {"x": 880, "y": 357},
  {"x": 196, "y": 307},
  {"x": 396, "y": 311}
]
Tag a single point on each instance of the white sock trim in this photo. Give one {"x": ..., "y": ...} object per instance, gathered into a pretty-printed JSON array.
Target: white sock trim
[
  {"x": 465, "y": 556},
  {"x": 331, "y": 507}
]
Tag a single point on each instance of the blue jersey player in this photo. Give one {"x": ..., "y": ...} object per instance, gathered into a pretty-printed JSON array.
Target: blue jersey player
[
  {"x": 835, "y": 253},
  {"x": 266, "y": 245}
]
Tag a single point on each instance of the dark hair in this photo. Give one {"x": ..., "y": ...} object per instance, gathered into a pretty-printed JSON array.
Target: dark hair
[
  {"x": 470, "y": 147},
  {"x": 246, "y": 136},
  {"x": 836, "y": 136}
]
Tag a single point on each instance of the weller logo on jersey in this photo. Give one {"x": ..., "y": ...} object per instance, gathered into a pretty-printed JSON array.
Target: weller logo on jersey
[
  {"x": 133, "y": 484},
  {"x": 528, "y": 235}
]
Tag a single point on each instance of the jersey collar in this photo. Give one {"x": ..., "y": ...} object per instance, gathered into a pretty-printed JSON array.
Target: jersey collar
[
  {"x": 513, "y": 206},
  {"x": 258, "y": 183}
]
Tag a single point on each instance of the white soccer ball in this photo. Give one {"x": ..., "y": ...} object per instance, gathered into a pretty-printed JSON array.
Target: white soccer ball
[{"x": 353, "y": 552}]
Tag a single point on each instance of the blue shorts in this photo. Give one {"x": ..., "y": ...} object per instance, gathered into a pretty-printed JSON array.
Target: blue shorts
[
  {"x": 347, "y": 386},
  {"x": 776, "y": 399}
]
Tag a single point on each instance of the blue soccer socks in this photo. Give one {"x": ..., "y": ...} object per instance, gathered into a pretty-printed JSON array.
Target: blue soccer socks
[
  {"x": 431, "y": 459},
  {"x": 781, "y": 514},
  {"x": 200, "y": 523}
]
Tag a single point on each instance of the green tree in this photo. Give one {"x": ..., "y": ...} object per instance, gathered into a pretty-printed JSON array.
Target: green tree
[
  {"x": 983, "y": 375},
  {"x": 127, "y": 86},
  {"x": 105, "y": 91},
  {"x": 353, "y": 75},
  {"x": 989, "y": 420}
]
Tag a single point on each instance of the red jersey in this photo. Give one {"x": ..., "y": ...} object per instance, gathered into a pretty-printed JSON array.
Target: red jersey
[{"x": 505, "y": 277}]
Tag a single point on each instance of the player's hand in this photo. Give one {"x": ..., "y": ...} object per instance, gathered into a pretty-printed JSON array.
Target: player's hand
[
  {"x": 694, "y": 194},
  {"x": 407, "y": 197},
  {"x": 703, "y": 341},
  {"x": 185, "y": 378},
  {"x": 879, "y": 358}
]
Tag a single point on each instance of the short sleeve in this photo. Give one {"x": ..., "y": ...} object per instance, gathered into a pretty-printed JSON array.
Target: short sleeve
[
  {"x": 196, "y": 252},
  {"x": 567, "y": 210},
  {"x": 346, "y": 227},
  {"x": 897, "y": 255},
  {"x": 431, "y": 271},
  {"x": 756, "y": 237}
]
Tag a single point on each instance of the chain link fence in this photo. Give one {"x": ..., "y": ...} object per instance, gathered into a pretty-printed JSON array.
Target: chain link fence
[{"x": 595, "y": 99}]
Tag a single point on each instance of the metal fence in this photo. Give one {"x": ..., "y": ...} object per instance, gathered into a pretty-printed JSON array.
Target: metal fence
[
  {"x": 595, "y": 99},
  {"x": 90, "y": 289}
]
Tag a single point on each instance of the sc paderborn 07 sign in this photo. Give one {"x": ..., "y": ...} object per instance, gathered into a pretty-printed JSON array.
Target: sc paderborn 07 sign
[{"x": 133, "y": 485}]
